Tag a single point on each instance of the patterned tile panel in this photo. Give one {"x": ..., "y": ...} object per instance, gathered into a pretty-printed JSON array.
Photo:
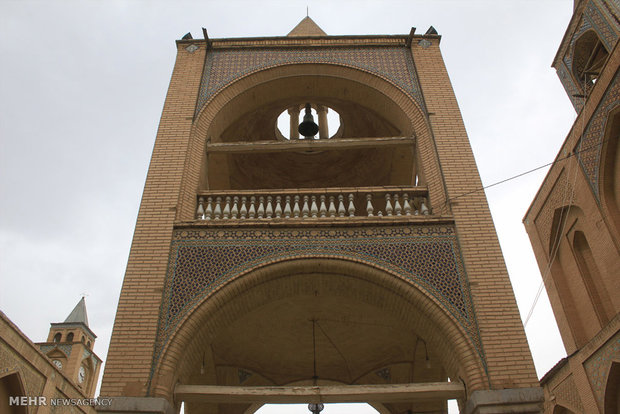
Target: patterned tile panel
[
  {"x": 608, "y": 30},
  {"x": 224, "y": 66},
  {"x": 428, "y": 256},
  {"x": 590, "y": 145},
  {"x": 597, "y": 367}
]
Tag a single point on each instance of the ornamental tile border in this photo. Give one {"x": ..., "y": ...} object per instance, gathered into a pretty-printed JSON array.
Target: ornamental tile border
[
  {"x": 597, "y": 367},
  {"x": 590, "y": 145},
  {"x": 201, "y": 260},
  {"x": 224, "y": 66}
]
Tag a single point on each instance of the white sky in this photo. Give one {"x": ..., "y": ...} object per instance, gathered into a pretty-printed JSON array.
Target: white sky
[{"x": 82, "y": 85}]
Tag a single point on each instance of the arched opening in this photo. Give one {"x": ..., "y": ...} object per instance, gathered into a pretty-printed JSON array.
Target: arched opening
[
  {"x": 310, "y": 321},
  {"x": 70, "y": 337},
  {"x": 365, "y": 112},
  {"x": 57, "y": 337},
  {"x": 610, "y": 170},
  {"x": 558, "y": 409},
  {"x": 589, "y": 57},
  {"x": 612, "y": 390},
  {"x": 11, "y": 386}
]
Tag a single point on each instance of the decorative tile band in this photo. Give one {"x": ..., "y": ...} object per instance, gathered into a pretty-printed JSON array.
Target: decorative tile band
[
  {"x": 224, "y": 66},
  {"x": 597, "y": 367},
  {"x": 428, "y": 256},
  {"x": 590, "y": 144}
]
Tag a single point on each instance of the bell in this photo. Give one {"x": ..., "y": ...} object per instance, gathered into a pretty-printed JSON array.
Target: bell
[{"x": 308, "y": 128}]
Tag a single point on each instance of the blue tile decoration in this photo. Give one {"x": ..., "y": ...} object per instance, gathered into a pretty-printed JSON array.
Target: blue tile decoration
[
  {"x": 202, "y": 259},
  {"x": 590, "y": 144},
  {"x": 607, "y": 30},
  {"x": 393, "y": 63},
  {"x": 597, "y": 367}
]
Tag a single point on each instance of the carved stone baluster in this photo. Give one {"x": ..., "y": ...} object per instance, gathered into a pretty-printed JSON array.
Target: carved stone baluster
[
  {"x": 234, "y": 211},
  {"x": 269, "y": 209},
  {"x": 200, "y": 212},
  {"x": 369, "y": 208},
  {"x": 252, "y": 210},
  {"x": 341, "y": 209},
  {"x": 209, "y": 210},
  {"x": 296, "y": 210},
  {"x": 388, "y": 205},
  {"x": 406, "y": 205},
  {"x": 323, "y": 208},
  {"x": 397, "y": 207},
  {"x": 261, "y": 207},
  {"x": 226, "y": 212},
  {"x": 423, "y": 208},
  {"x": 351, "y": 207},
  {"x": 332, "y": 207},
  {"x": 305, "y": 209},
  {"x": 218, "y": 208},
  {"x": 314, "y": 210},
  {"x": 287, "y": 207},
  {"x": 244, "y": 209},
  {"x": 278, "y": 209}
]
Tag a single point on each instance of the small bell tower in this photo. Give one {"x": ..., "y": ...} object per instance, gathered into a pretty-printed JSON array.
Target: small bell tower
[{"x": 70, "y": 347}]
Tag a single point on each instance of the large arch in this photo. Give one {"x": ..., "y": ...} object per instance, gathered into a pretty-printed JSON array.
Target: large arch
[
  {"x": 268, "y": 91},
  {"x": 369, "y": 322},
  {"x": 609, "y": 181}
]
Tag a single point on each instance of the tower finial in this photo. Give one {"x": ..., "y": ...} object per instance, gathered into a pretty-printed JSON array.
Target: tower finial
[{"x": 307, "y": 11}]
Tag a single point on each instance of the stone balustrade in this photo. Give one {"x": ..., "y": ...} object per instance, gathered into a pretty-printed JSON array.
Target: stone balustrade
[{"x": 312, "y": 203}]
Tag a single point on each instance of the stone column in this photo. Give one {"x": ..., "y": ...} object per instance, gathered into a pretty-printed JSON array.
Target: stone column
[
  {"x": 294, "y": 114},
  {"x": 323, "y": 130}
]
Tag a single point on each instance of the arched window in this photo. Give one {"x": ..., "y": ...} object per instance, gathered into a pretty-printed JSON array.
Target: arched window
[
  {"x": 70, "y": 337},
  {"x": 57, "y": 337},
  {"x": 89, "y": 345},
  {"x": 589, "y": 57}
]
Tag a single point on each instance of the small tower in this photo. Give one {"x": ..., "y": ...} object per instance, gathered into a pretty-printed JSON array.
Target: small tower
[{"x": 70, "y": 347}]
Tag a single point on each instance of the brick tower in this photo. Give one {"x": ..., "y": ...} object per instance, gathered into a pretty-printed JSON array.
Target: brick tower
[
  {"x": 574, "y": 221},
  {"x": 315, "y": 265},
  {"x": 70, "y": 347}
]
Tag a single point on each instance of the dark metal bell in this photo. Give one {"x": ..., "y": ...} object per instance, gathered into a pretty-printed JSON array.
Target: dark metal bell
[{"x": 308, "y": 128}]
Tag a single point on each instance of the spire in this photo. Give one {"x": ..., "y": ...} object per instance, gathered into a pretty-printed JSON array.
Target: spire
[
  {"x": 78, "y": 314},
  {"x": 307, "y": 27}
]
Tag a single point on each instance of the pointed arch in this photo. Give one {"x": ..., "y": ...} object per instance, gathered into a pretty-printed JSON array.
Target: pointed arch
[{"x": 12, "y": 385}]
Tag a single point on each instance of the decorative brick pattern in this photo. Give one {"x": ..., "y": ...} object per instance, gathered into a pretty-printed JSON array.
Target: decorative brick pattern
[
  {"x": 428, "y": 256},
  {"x": 224, "y": 66},
  {"x": 597, "y": 367},
  {"x": 567, "y": 395},
  {"x": 590, "y": 144},
  {"x": 12, "y": 362},
  {"x": 561, "y": 195}
]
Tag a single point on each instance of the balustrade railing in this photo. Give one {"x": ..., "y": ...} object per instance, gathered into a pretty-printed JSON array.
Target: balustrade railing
[{"x": 312, "y": 203}]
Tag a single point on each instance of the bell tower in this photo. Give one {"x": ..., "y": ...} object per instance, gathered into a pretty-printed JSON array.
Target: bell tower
[
  {"x": 357, "y": 265},
  {"x": 70, "y": 347}
]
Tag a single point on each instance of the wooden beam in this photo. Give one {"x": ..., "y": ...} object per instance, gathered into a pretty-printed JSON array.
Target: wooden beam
[
  {"x": 307, "y": 145},
  {"x": 321, "y": 393}
]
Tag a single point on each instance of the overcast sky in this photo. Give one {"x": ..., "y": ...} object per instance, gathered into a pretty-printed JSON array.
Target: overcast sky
[{"x": 82, "y": 86}]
